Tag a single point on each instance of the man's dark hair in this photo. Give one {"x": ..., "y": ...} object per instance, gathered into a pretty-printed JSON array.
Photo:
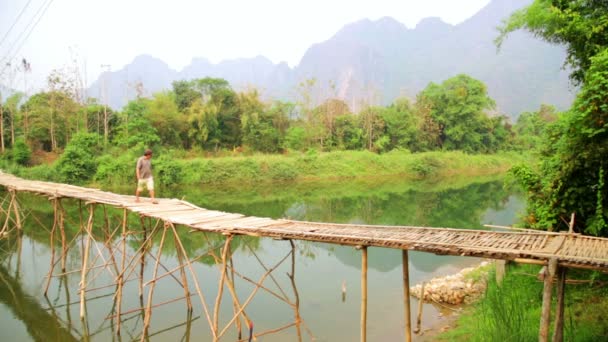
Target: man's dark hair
[{"x": 148, "y": 152}]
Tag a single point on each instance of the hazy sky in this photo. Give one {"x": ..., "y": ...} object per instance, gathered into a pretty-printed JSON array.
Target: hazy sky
[{"x": 114, "y": 32}]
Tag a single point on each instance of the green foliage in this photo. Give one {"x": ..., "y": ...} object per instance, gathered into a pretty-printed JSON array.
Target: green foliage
[
  {"x": 168, "y": 171},
  {"x": 574, "y": 160},
  {"x": 511, "y": 311},
  {"x": 21, "y": 152},
  {"x": 457, "y": 106},
  {"x": 295, "y": 139},
  {"x": 135, "y": 128},
  {"x": 531, "y": 127},
  {"x": 118, "y": 169},
  {"x": 77, "y": 164}
]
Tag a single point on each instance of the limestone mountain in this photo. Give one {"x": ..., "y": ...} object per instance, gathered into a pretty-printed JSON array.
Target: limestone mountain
[{"x": 374, "y": 62}]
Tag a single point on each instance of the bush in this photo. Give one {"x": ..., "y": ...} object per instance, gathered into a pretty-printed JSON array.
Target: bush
[
  {"x": 77, "y": 163},
  {"x": 21, "y": 153}
]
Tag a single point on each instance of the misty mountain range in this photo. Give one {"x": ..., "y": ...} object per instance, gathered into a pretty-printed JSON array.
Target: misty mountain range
[{"x": 374, "y": 62}]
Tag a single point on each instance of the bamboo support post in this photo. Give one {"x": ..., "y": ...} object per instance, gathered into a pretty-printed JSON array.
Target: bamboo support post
[
  {"x": 143, "y": 258},
  {"x": 16, "y": 209},
  {"x": 182, "y": 271},
  {"x": 406, "y": 295},
  {"x": 251, "y": 295},
  {"x": 120, "y": 279},
  {"x": 501, "y": 266},
  {"x": 83, "y": 278},
  {"x": 220, "y": 289},
  {"x": 148, "y": 312},
  {"x": 558, "y": 332},
  {"x": 292, "y": 278},
  {"x": 420, "y": 306},
  {"x": 64, "y": 245},
  {"x": 182, "y": 250},
  {"x": 49, "y": 277},
  {"x": 364, "y": 294},
  {"x": 545, "y": 317},
  {"x": 571, "y": 224}
]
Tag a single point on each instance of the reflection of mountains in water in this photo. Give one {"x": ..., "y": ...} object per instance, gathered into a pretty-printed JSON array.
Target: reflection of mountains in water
[{"x": 388, "y": 259}]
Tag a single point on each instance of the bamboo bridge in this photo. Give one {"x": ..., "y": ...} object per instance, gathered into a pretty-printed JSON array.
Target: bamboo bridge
[{"x": 557, "y": 251}]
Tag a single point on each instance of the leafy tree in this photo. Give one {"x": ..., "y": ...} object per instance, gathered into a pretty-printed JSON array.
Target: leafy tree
[
  {"x": 21, "y": 153},
  {"x": 372, "y": 124},
  {"x": 401, "y": 125},
  {"x": 530, "y": 127},
  {"x": 11, "y": 108},
  {"x": 203, "y": 126},
  {"x": 457, "y": 106},
  {"x": 164, "y": 116},
  {"x": 134, "y": 128},
  {"x": 572, "y": 175},
  {"x": 349, "y": 136},
  {"x": 185, "y": 94},
  {"x": 77, "y": 163}
]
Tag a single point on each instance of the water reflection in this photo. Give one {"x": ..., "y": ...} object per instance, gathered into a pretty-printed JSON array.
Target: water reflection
[{"x": 291, "y": 291}]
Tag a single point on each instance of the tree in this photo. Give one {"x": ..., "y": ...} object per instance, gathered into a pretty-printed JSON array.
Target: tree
[
  {"x": 164, "y": 116},
  {"x": 572, "y": 174},
  {"x": 457, "y": 106},
  {"x": 135, "y": 128},
  {"x": 530, "y": 127}
]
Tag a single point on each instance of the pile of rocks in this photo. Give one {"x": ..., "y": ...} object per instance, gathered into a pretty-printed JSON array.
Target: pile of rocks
[{"x": 455, "y": 289}]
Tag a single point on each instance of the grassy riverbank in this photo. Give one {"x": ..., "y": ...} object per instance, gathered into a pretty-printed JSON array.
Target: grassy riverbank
[
  {"x": 172, "y": 168},
  {"x": 511, "y": 312}
]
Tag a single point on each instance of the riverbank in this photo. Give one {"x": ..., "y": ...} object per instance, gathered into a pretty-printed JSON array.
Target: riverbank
[
  {"x": 511, "y": 311},
  {"x": 179, "y": 168}
]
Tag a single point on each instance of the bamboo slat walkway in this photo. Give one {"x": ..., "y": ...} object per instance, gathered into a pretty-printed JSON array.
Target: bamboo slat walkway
[{"x": 570, "y": 250}]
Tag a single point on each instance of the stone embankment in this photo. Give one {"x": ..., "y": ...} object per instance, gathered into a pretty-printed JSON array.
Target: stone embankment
[{"x": 461, "y": 288}]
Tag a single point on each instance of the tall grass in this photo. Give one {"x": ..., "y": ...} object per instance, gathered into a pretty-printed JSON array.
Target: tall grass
[{"x": 511, "y": 311}]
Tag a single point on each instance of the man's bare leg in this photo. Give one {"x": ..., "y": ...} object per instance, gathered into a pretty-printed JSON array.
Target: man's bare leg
[{"x": 152, "y": 197}]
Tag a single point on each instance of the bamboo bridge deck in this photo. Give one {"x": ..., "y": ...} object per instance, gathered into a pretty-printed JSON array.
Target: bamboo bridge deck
[{"x": 570, "y": 250}]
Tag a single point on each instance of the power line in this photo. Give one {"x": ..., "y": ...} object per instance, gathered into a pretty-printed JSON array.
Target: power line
[
  {"x": 15, "y": 22},
  {"x": 47, "y": 4}
]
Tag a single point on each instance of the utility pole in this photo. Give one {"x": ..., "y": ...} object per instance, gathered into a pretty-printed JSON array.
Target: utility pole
[{"x": 108, "y": 67}]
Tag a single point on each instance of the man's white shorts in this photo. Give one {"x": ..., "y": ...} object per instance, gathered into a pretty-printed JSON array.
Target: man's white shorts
[{"x": 147, "y": 182}]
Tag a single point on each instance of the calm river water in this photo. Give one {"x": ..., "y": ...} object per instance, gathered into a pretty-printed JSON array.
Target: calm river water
[{"x": 321, "y": 271}]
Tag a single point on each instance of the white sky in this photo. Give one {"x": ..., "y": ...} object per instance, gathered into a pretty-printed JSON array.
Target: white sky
[{"x": 114, "y": 32}]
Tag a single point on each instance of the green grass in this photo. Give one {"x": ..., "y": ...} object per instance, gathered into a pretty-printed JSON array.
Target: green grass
[{"x": 511, "y": 311}]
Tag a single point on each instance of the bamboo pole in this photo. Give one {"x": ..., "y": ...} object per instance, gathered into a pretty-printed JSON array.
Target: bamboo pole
[
  {"x": 364, "y": 294},
  {"x": 148, "y": 312},
  {"x": 120, "y": 280},
  {"x": 83, "y": 278},
  {"x": 292, "y": 278},
  {"x": 420, "y": 306},
  {"x": 64, "y": 245},
  {"x": 16, "y": 209},
  {"x": 48, "y": 280},
  {"x": 558, "y": 333},
  {"x": 196, "y": 285},
  {"x": 545, "y": 317},
  {"x": 182, "y": 272},
  {"x": 406, "y": 295},
  {"x": 220, "y": 289},
  {"x": 142, "y": 259}
]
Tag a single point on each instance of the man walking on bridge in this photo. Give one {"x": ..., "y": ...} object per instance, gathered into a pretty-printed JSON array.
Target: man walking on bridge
[{"x": 143, "y": 170}]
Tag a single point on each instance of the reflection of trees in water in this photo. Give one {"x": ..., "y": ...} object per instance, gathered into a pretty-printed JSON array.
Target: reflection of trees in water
[{"x": 151, "y": 242}]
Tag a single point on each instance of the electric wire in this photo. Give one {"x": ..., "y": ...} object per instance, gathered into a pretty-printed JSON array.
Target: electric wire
[
  {"x": 43, "y": 9},
  {"x": 15, "y": 22}
]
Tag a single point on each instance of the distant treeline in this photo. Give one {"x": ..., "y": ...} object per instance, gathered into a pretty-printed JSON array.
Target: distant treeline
[{"x": 207, "y": 115}]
